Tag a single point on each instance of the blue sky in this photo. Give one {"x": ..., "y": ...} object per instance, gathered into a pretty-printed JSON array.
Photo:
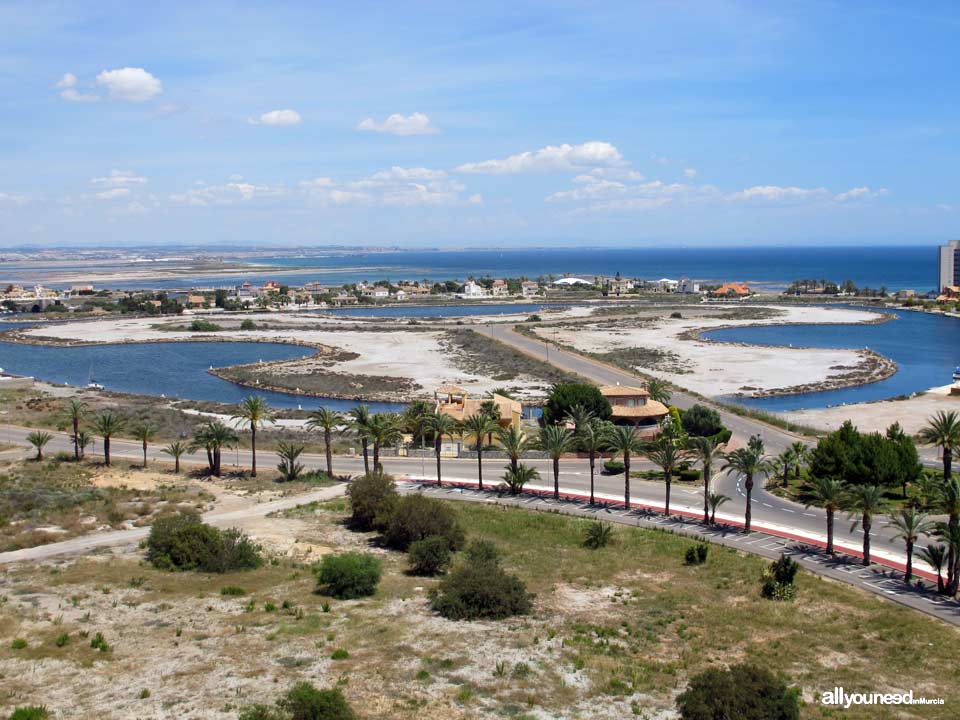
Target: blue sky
[{"x": 435, "y": 124}]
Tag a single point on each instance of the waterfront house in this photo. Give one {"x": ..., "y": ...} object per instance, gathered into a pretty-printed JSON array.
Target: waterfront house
[
  {"x": 454, "y": 401},
  {"x": 400, "y": 295},
  {"x": 620, "y": 286},
  {"x": 686, "y": 286},
  {"x": 733, "y": 290},
  {"x": 949, "y": 294},
  {"x": 344, "y": 299},
  {"x": 472, "y": 289},
  {"x": 270, "y": 287},
  {"x": 633, "y": 406},
  {"x": 415, "y": 290},
  {"x": 378, "y": 292},
  {"x": 245, "y": 292},
  {"x": 499, "y": 288},
  {"x": 528, "y": 288}
]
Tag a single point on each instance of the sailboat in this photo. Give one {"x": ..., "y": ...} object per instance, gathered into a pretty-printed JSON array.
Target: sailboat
[
  {"x": 91, "y": 383},
  {"x": 956, "y": 373}
]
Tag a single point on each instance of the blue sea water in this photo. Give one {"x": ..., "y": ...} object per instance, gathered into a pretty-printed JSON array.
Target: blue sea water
[
  {"x": 926, "y": 348},
  {"x": 438, "y": 311}
]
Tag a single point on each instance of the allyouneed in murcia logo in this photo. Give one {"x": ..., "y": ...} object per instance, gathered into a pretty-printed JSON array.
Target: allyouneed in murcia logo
[{"x": 840, "y": 697}]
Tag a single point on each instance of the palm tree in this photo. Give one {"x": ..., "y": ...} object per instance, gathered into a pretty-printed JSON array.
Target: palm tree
[
  {"x": 82, "y": 440},
  {"x": 326, "y": 420},
  {"x": 579, "y": 416},
  {"x": 360, "y": 421},
  {"x": 949, "y": 502},
  {"x": 707, "y": 452},
  {"x": 951, "y": 535},
  {"x": 440, "y": 424},
  {"x": 144, "y": 432},
  {"x": 748, "y": 462},
  {"x": 867, "y": 501},
  {"x": 491, "y": 410},
  {"x": 943, "y": 430},
  {"x": 289, "y": 466},
  {"x": 213, "y": 437},
  {"x": 659, "y": 390},
  {"x": 517, "y": 477},
  {"x": 555, "y": 440},
  {"x": 74, "y": 413},
  {"x": 592, "y": 439},
  {"x": 254, "y": 412},
  {"x": 716, "y": 500},
  {"x": 514, "y": 443},
  {"x": 107, "y": 424},
  {"x": 910, "y": 525},
  {"x": 623, "y": 440},
  {"x": 830, "y": 494},
  {"x": 383, "y": 429},
  {"x": 667, "y": 455},
  {"x": 478, "y": 427},
  {"x": 934, "y": 556},
  {"x": 785, "y": 460},
  {"x": 39, "y": 439},
  {"x": 176, "y": 450},
  {"x": 801, "y": 453},
  {"x": 415, "y": 419}
]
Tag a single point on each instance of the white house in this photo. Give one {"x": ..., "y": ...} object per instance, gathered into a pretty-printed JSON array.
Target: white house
[
  {"x": 472, "y": 289},
  {"x": 528, "y": 288},
  {"x": 687, "y": 286}
]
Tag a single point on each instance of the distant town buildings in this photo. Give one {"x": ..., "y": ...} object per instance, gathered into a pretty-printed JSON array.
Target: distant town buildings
[{"x": 949, "y": 265}]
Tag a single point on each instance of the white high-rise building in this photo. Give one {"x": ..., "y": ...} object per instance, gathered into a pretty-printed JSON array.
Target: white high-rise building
[{"x": 949, "y": 265}]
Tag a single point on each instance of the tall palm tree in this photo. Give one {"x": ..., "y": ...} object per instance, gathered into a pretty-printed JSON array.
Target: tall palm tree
[
  {"x": 82, "y": 440},
  {"x": 949, "y": 502},
  {"x": 943, "y": 430},
  {"x": 415, "y": 418},
  {"x": 801, "y": 453},
  {"x": 867, "y": 501},
  {"x": 785, "y": 460},
  {"x": 39, "y": 439},
  {"x": 107, "y": 424},
  {"x": 592, "y": 439},
  {"x": 934, "y": 556},
  {"x": 579, "y": 415},
  {"x": 440, "y": 424},
  {"x": 478, "y": 427},
  {"x": 555, "y": 440},
  {"x": 144, "y": 432},
  {"x": 514, "y": 443},
  {"x": 716, "y": 500},
  {"x": 707, "y": 452},
  {"x": 624, "y": 440},
  {"x": 490, "y": 408},
  {"x": 176, "y": 450},
  {"x": 327, "y": 421},
  {"x": 255, "y": 412},
  {"x": 667, "y": 455},
  {"x": 748, "y": 462},
  {"x": 830, "y": 494},
  {"x": 384, "y": 429},
  {"x": 659, "y": 390},
  {"x": 74, "y": 413},
  {"x": 951, "y": 535},
  {"x": 910, "y": 525},
  {"x": 214, "y": 437},
  {"x": 360, "y": 421}
]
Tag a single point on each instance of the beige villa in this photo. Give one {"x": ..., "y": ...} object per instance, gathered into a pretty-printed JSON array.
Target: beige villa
[
  {"x": 453, "y": 401},
  {"x": 633, "y": 406}
]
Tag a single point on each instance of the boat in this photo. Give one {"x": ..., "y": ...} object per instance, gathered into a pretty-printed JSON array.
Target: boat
[
  {"x": 91, "y": 383},
  {"x": 956, "y": 373}
]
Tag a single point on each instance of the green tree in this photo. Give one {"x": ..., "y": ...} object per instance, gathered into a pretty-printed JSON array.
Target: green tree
[
  {"x": 579, "y": 415},
  {"x": 830, "y": 494},
  {"x": 865, "y": 501},
  {"x": 255, "y": 413},
  {"x": 748, "y": 462},
  {"x": 39, "y": 440},
  {"x": 935, "y": 556},
  {"x": 948, "y": 501},
  {"x": 305, "y": 702},
  {"x": 708, "y": 452},
  {"x": 106, "y": 425},
  {"x": 563, "y": 397},
  {"x": 659, "y": 390},
  {"x": 592, "y": 439},
  {"x": 289, "y": 466},
  {"x": 478, "y": 426},
  {"x": 716, "y": 500},
  {"x": 384, "y": 429},
  {"x": 801, "y": 454},
  {"x": 176, "y": 450},
  {"x": 910, "y": 524},
  {"x": 144, "y": 433},
  {"x": 74, "y": 413},
  {"x": 360, "y": 422},
  {"x": 702, "y": 421},
  {"x": 214, "y": 437},
  {"x": 668, "y": 455},
  {"x": 514, "y": 443},
  {"x": 740, "y": 692},
  {"x": 555, "y": 440},
  {"x": 440, "y": 425},
  {"x": 624, "y": 440},
  {"x": 516, "y": 478},
  {"x": 327, "y": 421},
  {"x": 943, "y": 431}
]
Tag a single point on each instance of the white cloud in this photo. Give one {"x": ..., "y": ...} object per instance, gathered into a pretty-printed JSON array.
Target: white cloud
[
  {"x": 860, "y": 194},
  {"x": 119, "y": 178},
  {"x": 228, "y": 194},
  {"x": 113, "y": 193},
  {"x": 475, "y": 199},
  {"x": 396, "y": 187},
  {"x": 68, "y": 90},
  {"x": 277, "y": 118},
  {"x": 398, "y": 124},
  {"x": 690, "y": 173},
  {"x": 551, "y": 158},
  {"x": 131, "y": 84},
  {"x": 12, "y": 199},
  {"x": 778, "y": 194},
  {"x": 136, "y": 207}
]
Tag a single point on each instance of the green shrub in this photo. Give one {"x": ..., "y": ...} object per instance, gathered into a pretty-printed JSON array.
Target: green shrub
[
  {"x": 31, "y": 712},
  {"x": 597, "y": 535},
  {"x": 416, "y": 517},
  {"x": 62, "y": 640},
  {"x": 701, "y": 421},
  {"x": 429, "y": 556},
  {"x": 745, "y": 692},
  {"x": 232, "y": 590},
  {"x": 144, "y": 694},
  {"x": 339, "y": 654},
  {"x": 204, "y": 326},
  {"x": 248, "y": 324},
  {"x": 348, "y": 576},
  {"x": 480, "y": 589},
  {"x": 303, "y": 702},
  {"x": 613, "y": 467},
  {"x": 777, "y": 582},
  {"x": 183, "y": 542},
  {"x": 369, "y": 497},
  {"x": 18, "y": 644},
  {"x": 688, "y": 475},
  {"x": 697, "y": 555},
  {"x": 99, "y": 642},
  {"x": 480, "y": 551}
]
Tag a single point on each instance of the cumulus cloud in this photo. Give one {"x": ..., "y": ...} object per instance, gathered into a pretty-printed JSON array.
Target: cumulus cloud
[
  {"x": 399, "y": 124},
  {"x": 113, "y": 193},
  {"x": 68, "y": 90},
  {"x": 551, "y": 158},
  {"x": 130, "y": 84},
  {"x": 860, "y": 194},
  {"x": 778, "y": 194},
  {"x": 227, "y": 194},
  {"x": 690, "y": 173},
  {"x": 119, "y": 178},
  {"x": 396, "y": 187},
  {"x": 278, "y": 118}
]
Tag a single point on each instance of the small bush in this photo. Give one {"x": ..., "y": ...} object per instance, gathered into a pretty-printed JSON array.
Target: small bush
[
  {"x": 416, "y": 517},
  {"x": 481, "y": 551},
  {"x": 697, "y": 555},
  {"x": 745, "y": 692},
  {"x": 99, "y": 642},
  {"x": 688, "y": 475},
  {"x": 676, "y": 315},
  {"x": 204, "y": 326},
  {"x": 597, "y": 535},
  {"x": 348, "y": 576},
  {"x": 183, "y": 542},
  {"x": 369, "y": 497},
  {"x": 144, "y": 694},
  {"x": 481, "y": 589},
  {"x": 339, "y": 654},
  {"x": 613, "y": 467},
  {"x": 232, "y": 590},
  {"x": 62, "y": 640},
  {"x": 701, "y": 421},
  {"x": 248, "y": 324},
  {"x": 31, "y": 712},
  {"x": 304, "y": 702},
  {"x": 429, "y": 556},
  {"x": 18, "y": 644},
  {"x": 777, "y": 582}
]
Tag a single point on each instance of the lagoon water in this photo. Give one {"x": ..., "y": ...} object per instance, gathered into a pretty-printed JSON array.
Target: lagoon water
[
  {"x": 436, "y": 311},
  {"x": 926, "y": 348},
  {"x": 174, "y": 369}
]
